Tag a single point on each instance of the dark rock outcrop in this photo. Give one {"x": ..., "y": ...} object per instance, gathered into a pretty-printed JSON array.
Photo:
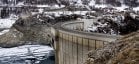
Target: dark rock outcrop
[{"x": 124, "y": 24}]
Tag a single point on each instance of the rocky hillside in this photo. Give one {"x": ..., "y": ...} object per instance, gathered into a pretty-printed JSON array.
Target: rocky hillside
[
  {"x": 33, "y": 30},
  {"x": 29, "y": 30},
  {"x": 11, "y": 38},
  {"x": 132, "y": 3},
  {"x": 121, "y": 52}
]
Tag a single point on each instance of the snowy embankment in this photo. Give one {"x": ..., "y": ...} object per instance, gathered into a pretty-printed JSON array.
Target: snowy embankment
[
  {"x": 39, "y": 52},
  {"x": 6, "y": 24}
]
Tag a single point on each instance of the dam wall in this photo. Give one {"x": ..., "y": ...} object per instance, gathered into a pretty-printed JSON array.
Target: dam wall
[{"x": 72, "y": 46}]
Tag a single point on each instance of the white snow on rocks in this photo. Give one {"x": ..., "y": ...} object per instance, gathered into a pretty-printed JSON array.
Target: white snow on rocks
[
  {"x": 4, "y": 31},
  {"x": 92, "y": 28},
  {"x": 92, "y": 3},
  {"x": 136, "y": 9},
  {"x": 42, "y": 6},
  {"x": 7, "y": 23},
  {"x": 20, "y": 3},
  {"x": 121, "y": 8},
  {"x": 79, "y": 2},
  {"x": 133, "y": 15},
  {"x": 53, "y": 6},
  {"x": 41, "y": 10},
  {"x": 100, "y": 6}
]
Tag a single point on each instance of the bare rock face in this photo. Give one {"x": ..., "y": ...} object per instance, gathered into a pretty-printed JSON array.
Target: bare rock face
[
  {"x": 130, "y": 55},
  {"x": 27, "y": 30},
  {"x": 122, "y": 52},
  {"x": 34, "y": 30},
  {"x": 11, "y": 38}
]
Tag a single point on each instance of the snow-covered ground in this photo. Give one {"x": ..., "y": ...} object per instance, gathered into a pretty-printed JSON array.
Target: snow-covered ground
[
  {"x": 121, "y": 8},
  {"x": 136, "y": 9},
  {"x": 6, "y": 23},
  {"x": 25, "y": 52},
  {"x": 54, "y": 6},
  {"x": 100, "y": 6}
]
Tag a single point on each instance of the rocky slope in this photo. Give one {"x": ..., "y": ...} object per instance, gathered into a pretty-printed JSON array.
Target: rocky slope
[
  {"x": 121, "y": 52},
  {"x": 132, "y": 3},
  {"x": 11, "y": 38},
  {"x": 116, "y": 24},
  {"x": 29, "y": 30},
  {"x": 34, "y": 30}
]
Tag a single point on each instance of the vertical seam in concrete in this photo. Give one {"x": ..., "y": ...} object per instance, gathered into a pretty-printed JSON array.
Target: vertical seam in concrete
[
  {"x": 72, "y": 49},
  {"x": 65, "y": 50},
  {"x": 58, "y": 60},
  {"x": 61, "y": 42},
  {"x": 69, "y": 47},
  {"x": 77, "y": 48},
  {"x": 103, "y": 44},
  {"x": 57, "y": 52},
  {"x": 82, "y": 49},
  {"x": 62, "y": 48},
  {"x": 88, "y": 43},
  {"x": 95, "y": 45}
]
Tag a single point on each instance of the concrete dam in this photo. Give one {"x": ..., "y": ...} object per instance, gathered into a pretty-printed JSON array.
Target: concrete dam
[{"x": 72, "y": 45}]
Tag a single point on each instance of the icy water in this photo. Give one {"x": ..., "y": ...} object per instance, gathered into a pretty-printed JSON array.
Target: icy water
[{"x": 27, "y": 54}]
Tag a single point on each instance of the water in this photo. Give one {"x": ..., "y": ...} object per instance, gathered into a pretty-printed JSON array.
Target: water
[{"x": 27, "y": 54}]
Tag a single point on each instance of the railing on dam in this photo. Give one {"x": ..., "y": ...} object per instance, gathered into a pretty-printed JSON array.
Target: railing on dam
[{"x": 72, "y": 46}]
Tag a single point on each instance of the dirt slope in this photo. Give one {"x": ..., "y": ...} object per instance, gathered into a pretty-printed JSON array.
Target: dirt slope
[{"x": 121, "y": 52}]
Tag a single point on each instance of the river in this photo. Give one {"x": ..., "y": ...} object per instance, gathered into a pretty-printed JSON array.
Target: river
[{"x": 27, "y": 54}]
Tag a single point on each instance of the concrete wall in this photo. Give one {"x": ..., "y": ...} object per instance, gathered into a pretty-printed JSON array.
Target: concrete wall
[
  {"x": 72, "y": 46},
  {"x": 79, "y": 24},
  {"x": 74, "y": 26}
]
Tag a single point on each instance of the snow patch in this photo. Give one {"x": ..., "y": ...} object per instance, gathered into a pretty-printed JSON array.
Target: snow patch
[
  {"x": 4, "y": 31},
  {"x": 121, "y": 8},
  {"x": 92, "y": 3},
  {"x": 136, "y": 9},
  {"x": 41, "y": 10},
  {"x": 100, "y": 6},
  {"x": 6, "y": 23},
  {"x": 42, "y": 6},
  {"x": 79, "y": 2},
  {"x": 20, "y": 3}
]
